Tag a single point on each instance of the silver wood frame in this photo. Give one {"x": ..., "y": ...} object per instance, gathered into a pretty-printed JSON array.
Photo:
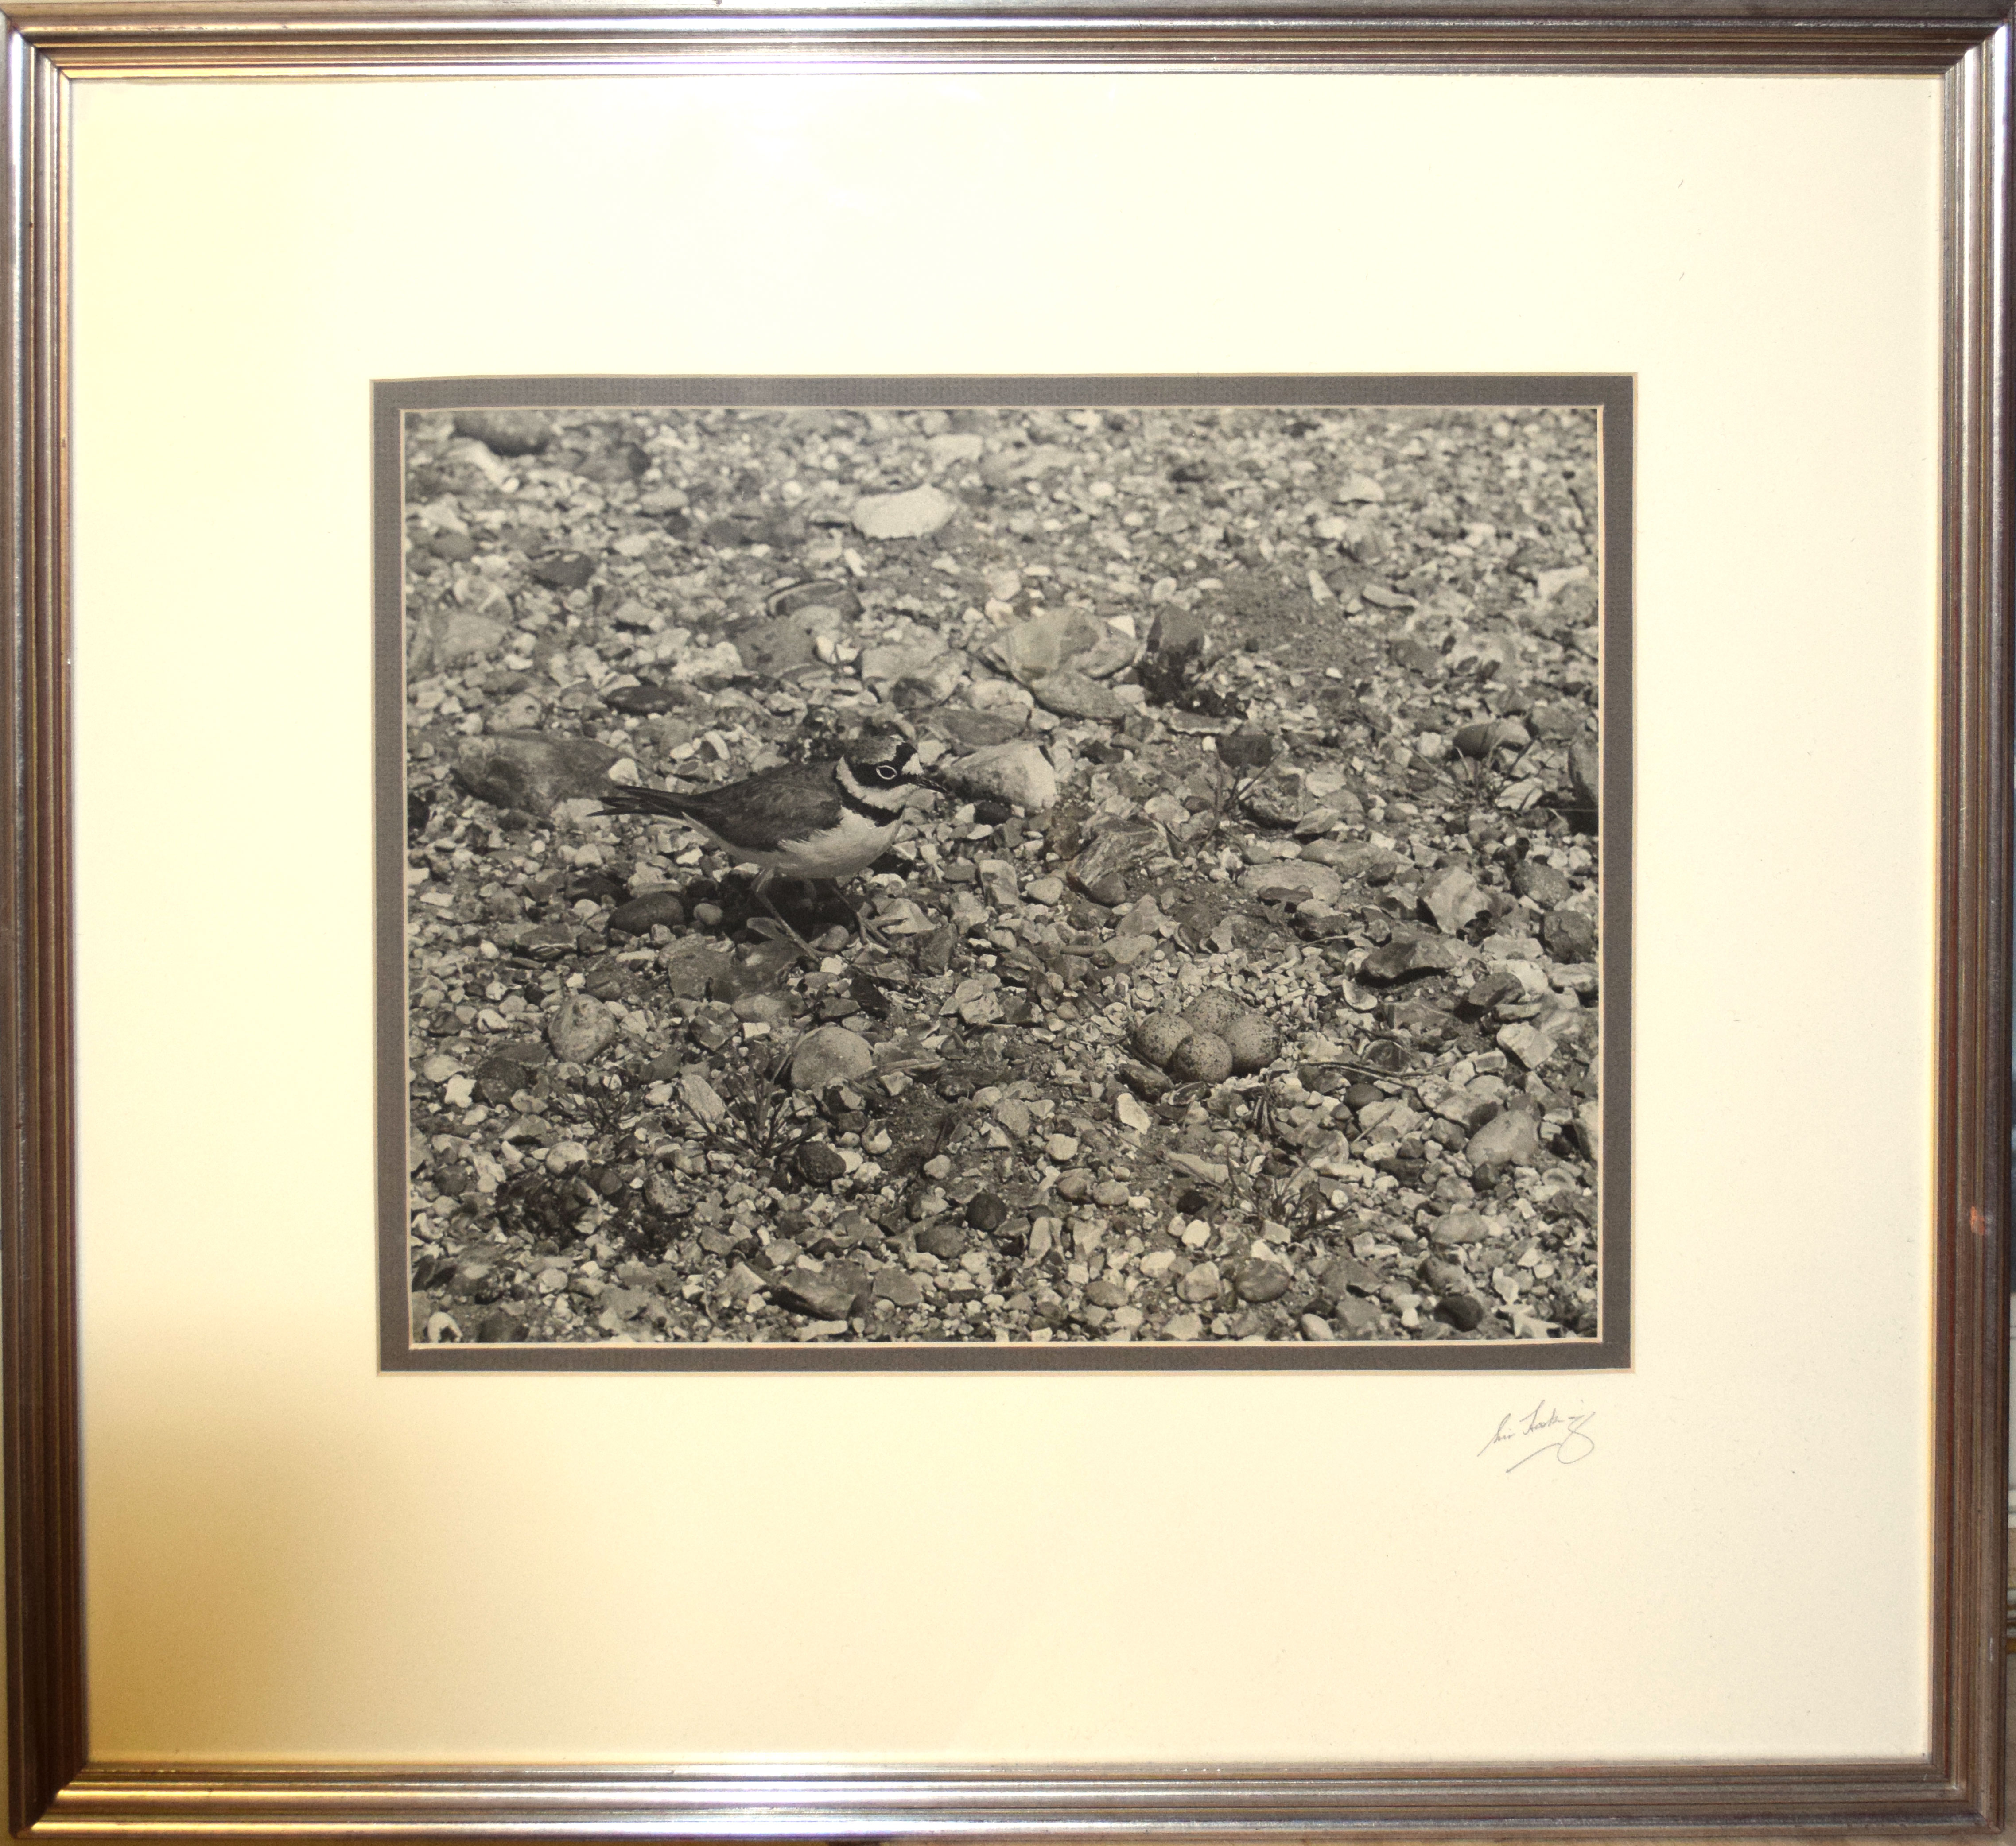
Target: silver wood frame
[{"x": 55, "y": 1788}]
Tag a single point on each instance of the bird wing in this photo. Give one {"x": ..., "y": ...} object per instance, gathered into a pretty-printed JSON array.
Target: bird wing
[{"x": 786, "y": 802}]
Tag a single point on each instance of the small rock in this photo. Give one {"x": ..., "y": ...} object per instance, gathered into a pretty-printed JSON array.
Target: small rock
[
  {"x": 1360, "y": 859},
  {"x": 1462, "y": 1311},
  {"x": 505, "y": 432},
  {"x": 1202, "y": 1283},
  {"x": 772, "y": 644},
  {"x": 830, "y": 1055},
  {"x": 1454, "y": 900},
  {"x": 1509, "y": 1138},
  {"x": 1315, "y": 1327},
  {"x": 1116, "y": 849},
  {"x": 947, "y": 450},
  {"x": 1357, "y": 1319},
  {"x": 1530, "y": 1045},
  {"x": 641, "y": 915},
  {"x": 1462, "y": 1227},
  {"x": 1547, "y": 885},
  {"x": 1569, "y": 936},
  {"x": 1017, "y": 773},
  {"x": 1495, "y": 734},
  {"x": 986, "y": 1212},
  {"x": 1109, "y": 890},
  {"x": 977, "y": 730},
  {"x": 580, "y": 1029},
  {"x": 1061, "y": 1147},
  {"x": 1071, "y": 694},
  {"x": 1075, "y": 1186},
  {"x": 1360, "y": 486},
  {"x": 824, "y": 1294},
  {"x": 1049, "y": 890},
  {"x": 1183, "y": 1326},
  {"x": 899, "y": 1286},
  {"x": 1293, "y": 881},
  {"x": 1406, "y": 956},
  {"x": 1262, "y": 1282},
  {"x": 444, "y": 637},
  {"x": 1585, "y": 771},
  {"x": 1110, "y": 1192},
  {"x": 915, "y": 514},
  {"x": 819, "y": 1164},
  {"x": 530, "y": 770},
  {"x": 1203, "y": 1057},
  {"x": 942, "y": 1239}
]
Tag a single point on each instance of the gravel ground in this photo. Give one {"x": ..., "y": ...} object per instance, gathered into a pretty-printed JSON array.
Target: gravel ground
[{"x": 1244, "y": 988}]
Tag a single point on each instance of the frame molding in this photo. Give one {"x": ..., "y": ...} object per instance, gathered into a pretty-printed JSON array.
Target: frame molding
[{"x": 56, "y": 1791}]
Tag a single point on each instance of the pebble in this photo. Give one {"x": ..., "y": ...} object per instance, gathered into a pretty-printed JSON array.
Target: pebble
[
  {"x": 1569, "y": 936},
  {"x": 1374, "y": 865},
  {"x": 1296, "y": 881},
  {"x": 1547, "y": 885},
  {"x": 1529, "y": 1044},
  {"x": 820, "y": 1163},
  {"x": 580, "y": 1028},
  {"x": 1584, "y": 771},
  {"x": 1061, "y": 1147},
  {"x": 1357, "y": 1319},
  {"x": 827, "y": 1295},
  {"x": 530, "y": 770},
  {"x": 830, "y": 1054},
  {"x": 1315, "y": 1327},
  {"x": 942, "y": 1239},
  {"x": 986, "y": 1212},
  {"x": 1015, "y": 1118},
  {"x": 1075, "y": 1186},
  {"x": 1509, "y": 1138},
  {"x": 1110, "y": 1192},
  {"x": 899, "y": 1287},
  {"x": 1202, "y": 1283},
  {"x": 1183, "y": 1326},
  {"x": 1455, "y": 900},
  {"x": 1462, "y": 1311},
  {"x": 1405, "y": 956},
  {"x": 642, "y": 914},
  {"x": 1131, "y": 1113},
  {"x": 505, "y": 432},
  {"x": 1462, "y": 1227},
  {"x": 915, "y": 514},
  {"x": 1072, "y": 694},
  {"x": 1116, "y": 849},
  {"x": 1263, "y": 1282},
  {"x": 1047, "y": 890},
  {"x": 1018, "y": 773}
]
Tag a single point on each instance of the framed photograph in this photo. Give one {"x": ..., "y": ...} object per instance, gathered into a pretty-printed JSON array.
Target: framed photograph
[
  {"x": 1031, "y": 923},
  {"x": 1162, "y": 1046}
]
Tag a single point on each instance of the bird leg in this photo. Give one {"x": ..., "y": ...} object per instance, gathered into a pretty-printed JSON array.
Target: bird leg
[
  {"x": 762, "y": 896},
  {"x": 869, "y": 932}
]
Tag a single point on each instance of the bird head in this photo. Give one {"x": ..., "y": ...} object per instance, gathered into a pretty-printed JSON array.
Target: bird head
[{"x": 897, "y": 771}]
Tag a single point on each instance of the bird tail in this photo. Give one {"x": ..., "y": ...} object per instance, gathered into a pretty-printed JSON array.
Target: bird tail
[{"x": 619, "y": 798}]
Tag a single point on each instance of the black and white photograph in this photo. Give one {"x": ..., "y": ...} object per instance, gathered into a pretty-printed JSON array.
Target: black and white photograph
[{"x": 1026, "y": 878}]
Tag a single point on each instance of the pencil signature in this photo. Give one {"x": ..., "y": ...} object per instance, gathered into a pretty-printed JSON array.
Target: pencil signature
[{"x": 1544, "y": 1430}]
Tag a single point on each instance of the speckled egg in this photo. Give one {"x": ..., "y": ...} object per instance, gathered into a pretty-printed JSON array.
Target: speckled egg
[
  {"x": 1157, "y": 1037},
  {"x": 1213, "y": 1012},
  {"x": 1254, "y": 1043},
  {"x": 1203, "y": 1057}
]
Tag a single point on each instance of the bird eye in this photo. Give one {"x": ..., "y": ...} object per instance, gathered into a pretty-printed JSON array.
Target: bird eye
[{"x": 886, "y": 771}]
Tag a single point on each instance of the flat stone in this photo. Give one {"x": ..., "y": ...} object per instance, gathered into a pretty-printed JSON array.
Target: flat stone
[
  {"x": 641, "y": 915},
  {"x": 1455, "y": 899},
  {"x": 1406, "y": 956},
  {"x": 1530, "y": 1045},
  {"x": 830, "y": 1054},
  {"x": 531, "y": 770},
  {"x": 1071, "y": 694},
  {"x": 777, "y": 644},
  {"x": 1263, "y": 1282},
  {"x": 1017, "y": 773},
  {"x": 1357, "y": 859},
  {"x": 1510, "y": 1138},
  {"x": 1547, "y": 885},
  {"x": 444, "y": 637},
  {"x": 1457, "y": 1228},
  {"x": 1569, "y": 936},
  {"x": 825, "y": 1294},
  {"x": 977, "y": 730},
  {"x": 1297, "y": 881},
  {"x": 580, "y": 1027},
  {"x": 1116, "y": 850},
  {"x": 915, "y": 514},
  {"x": 505, "y": 432}
]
